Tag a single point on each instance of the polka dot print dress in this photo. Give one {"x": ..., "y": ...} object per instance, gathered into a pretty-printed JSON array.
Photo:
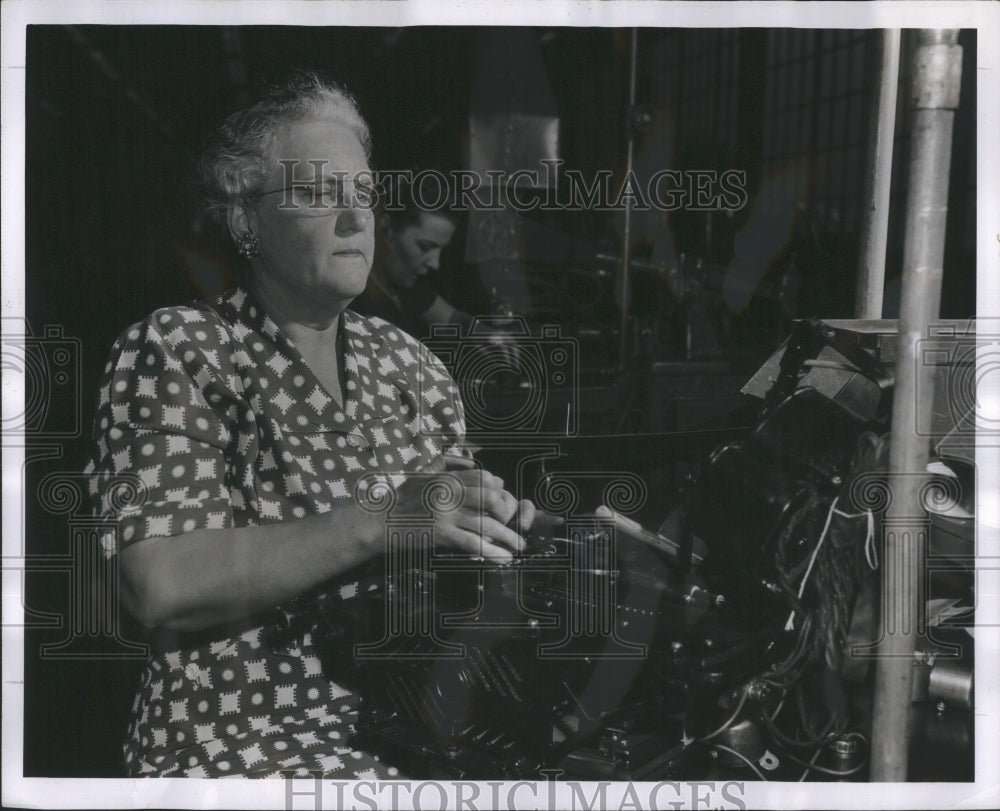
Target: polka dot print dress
[{"x": 216, "y": 416}]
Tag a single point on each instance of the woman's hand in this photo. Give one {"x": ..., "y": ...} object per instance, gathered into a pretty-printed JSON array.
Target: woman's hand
[{"x": 479, "y": 517}]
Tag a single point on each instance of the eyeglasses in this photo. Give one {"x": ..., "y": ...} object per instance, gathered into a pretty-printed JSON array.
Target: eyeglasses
[{"x": 323, "y": 197}]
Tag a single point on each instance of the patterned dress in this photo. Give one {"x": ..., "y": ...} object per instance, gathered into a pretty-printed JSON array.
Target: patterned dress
[{"x": 215, "y": 412}]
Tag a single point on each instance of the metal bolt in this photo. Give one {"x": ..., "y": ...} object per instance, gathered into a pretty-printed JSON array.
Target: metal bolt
[{"x": 844, "y": 748}]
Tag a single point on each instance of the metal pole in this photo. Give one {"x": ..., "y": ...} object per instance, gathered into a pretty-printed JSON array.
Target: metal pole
[
  {"x": 875, "y": 226},
  {"x": 625, "y": 289},
  {"x": 937, "y": 74}
]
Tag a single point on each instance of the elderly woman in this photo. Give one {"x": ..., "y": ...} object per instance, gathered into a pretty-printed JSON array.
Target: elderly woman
[{"x": 254, "y": 424}]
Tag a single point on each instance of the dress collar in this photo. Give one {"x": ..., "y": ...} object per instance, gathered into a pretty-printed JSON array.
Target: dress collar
[{"x": 296, "y": 392}]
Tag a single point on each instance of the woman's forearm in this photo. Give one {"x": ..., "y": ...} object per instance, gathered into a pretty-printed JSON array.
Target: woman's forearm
[{"x": 205, "y": 578}]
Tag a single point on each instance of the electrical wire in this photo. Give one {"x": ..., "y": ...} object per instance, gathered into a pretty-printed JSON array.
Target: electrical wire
[
  {"x": 830, "y": 731},
  {"x": 819, "y": 585},
  {"x": 742, "y": 757},
  {"x": 728, "y": 722},
  {"x": 790, "y": 624},
  {"x": 812, "y": 760},
  {"x": 791, "y": 669},
  {"x": 823, "y": 770},
  {"x": 781, "y": 704}
]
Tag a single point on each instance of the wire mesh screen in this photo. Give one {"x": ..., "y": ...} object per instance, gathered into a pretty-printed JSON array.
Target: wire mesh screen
[{"x": 814, "y": 116}]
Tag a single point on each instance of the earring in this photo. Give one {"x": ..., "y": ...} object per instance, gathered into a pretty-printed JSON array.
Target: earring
[{"x": 248, "y": 245}]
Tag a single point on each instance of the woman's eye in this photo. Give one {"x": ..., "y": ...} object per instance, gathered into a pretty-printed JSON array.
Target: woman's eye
[
  {"x": 305, "y": 193},
  {"x": 366, "y": 195}
]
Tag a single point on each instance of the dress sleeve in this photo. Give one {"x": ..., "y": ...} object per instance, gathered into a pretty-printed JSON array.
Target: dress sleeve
[
  {"x": 169, "y": 416},
  {"x": 443, "y": 413}
]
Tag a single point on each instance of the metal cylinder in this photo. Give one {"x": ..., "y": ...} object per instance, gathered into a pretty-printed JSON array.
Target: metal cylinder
[
  {"x": 937, "y": 74},
  {"x": 744, "y": 737},
  {"x": 875, "y": 226},
  {"x": 952, "y": 683},
  {"x": 625, "y": 287},
  {"x": 844, "y": 755}
]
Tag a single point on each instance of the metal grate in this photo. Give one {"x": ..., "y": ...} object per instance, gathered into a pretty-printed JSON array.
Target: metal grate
[{"x": 814, "y": 112}]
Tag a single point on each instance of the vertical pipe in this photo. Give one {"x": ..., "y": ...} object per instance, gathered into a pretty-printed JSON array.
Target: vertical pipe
[
  {"x": 878, "y": 175},
  {"x": 625, "y": 288},
  {"x": 936, "y": 79}
]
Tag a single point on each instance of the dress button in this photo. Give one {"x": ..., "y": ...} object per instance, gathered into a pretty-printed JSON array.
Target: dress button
[{"x": 357, "y": 441}]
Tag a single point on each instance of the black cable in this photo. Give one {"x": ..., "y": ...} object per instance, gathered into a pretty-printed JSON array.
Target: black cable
[
  {"x": 728, "y": 722},
  {"x": 742, "y": 757},
  {"x": 791, "y": 669},
  {"x": 823, "y": 769},
  {"x": 829, "y": 733}
]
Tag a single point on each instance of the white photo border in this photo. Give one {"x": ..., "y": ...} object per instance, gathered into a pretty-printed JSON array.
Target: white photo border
[{"x": 194, "y": 793}]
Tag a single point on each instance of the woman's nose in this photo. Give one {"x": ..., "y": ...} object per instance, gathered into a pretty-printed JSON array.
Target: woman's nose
[
  {"x": 433, "y": 260},
  {"x": 353, "y": 219}
]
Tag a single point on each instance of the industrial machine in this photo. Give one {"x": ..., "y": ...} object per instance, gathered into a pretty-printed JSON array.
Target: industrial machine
[
  {"x": 722, "y": 618},
  {"x": 735, "y": 640}
]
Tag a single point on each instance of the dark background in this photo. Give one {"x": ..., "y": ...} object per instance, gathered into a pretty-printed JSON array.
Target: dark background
[{"x": 115, "y": 116}]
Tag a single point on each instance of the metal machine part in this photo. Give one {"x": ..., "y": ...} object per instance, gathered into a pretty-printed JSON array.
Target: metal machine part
[
  {"x": 951, "y": 682},
  {"x": 616, "y": 652}
]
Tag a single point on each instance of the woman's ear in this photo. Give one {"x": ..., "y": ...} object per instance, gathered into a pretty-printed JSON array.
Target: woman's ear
[{"x": 238, "y": 221}]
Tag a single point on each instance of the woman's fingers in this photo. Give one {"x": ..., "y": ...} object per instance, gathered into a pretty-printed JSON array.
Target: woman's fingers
[
  {"x": 475, "y": 545},
  {"x": 489, "y": 518},
  {"x": 470, "y": 474},
  {"x": 526, "y": 515},
  {"x": 451, "y": 461},
  {"x": 498, "y": 504},
  {"x": 493, "y": 530}
]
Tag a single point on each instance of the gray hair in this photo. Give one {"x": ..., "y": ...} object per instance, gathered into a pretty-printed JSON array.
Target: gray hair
[{"x": 239, "y": 153}]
